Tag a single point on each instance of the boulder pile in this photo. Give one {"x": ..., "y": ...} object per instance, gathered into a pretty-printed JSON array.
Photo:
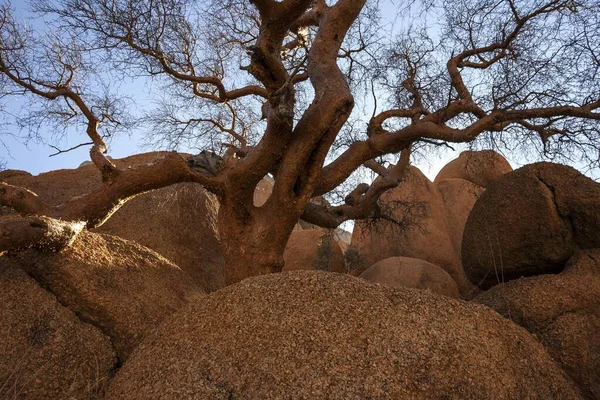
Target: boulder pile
[
  {"x": 137, "y": 309},
  {"x": 430, "y": 216},
  {"x": 563, "y": 312},
  {"x": 178, "y": 222}
]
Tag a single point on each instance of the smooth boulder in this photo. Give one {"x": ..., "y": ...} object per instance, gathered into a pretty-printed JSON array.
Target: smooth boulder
[
  {"x": 563, "y": 311},
  {"x": 530, "y": 222},
  {"x": 117, "y": 285},
  {"x": 412, "y": 273},
  {"x": 479, "y": 167},
  {"x": 459, "y": 197},
  {"x": 180, "y": 223},
  {"x": 46, "y": 352},
  {"x": 313, "y": 250},
  {"x": 417, "y": 207},
  {"x": 316, "y": 335}
]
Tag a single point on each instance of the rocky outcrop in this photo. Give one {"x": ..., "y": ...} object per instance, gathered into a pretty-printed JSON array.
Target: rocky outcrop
[
  {"x": 563, "y": 311},
  {"x": 120, "y": 287},
  {"x": 178, "y": 221},
  {"x": 412, "y": 273},
  {"x": 56, "y": 187},
  {"x": 422, "y": 232},
  {"x": 12, "y": 173},
  {"x": 320, "y": 335},
  {"x": 313, "y": 250},
  {"x": 45, "y": 351},
  {"x": 529, "y": 222},
  {"x": 479, "y": 167},
  {"x": 459, "y": 197}
]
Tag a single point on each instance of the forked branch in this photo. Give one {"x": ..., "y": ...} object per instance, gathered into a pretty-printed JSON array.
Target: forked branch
[{"x": 361, "y": 203}]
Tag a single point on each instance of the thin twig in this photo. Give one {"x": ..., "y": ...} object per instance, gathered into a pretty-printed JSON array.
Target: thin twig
[{"x": 60, "y": 151}]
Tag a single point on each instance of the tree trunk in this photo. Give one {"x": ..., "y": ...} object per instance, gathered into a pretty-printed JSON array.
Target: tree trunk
[{"x": 253, "y": 244}]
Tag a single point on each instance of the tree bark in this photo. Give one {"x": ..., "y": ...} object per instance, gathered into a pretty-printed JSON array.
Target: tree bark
[{"x": 253, "y": 240}]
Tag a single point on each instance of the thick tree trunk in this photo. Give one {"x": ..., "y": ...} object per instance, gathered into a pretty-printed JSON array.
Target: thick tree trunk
[{"x": 253, "y": 244}]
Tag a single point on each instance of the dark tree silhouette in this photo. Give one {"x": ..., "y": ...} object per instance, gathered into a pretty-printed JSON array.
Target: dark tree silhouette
[{"x": 274, "y": 84}]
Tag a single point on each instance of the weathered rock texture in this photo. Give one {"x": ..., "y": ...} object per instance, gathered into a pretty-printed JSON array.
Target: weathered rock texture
[
  {"x": 8, "y": 173},
  {"x": 116, "y": 285},
  {"x": 412, "y": 273},
  {"x": 316, "y": 335},
  {"x": 56, "y": 187},
  {"x": 179, "y": 222},
  {"x": 563, "y": 311},
  {"x": 529, "y": 222},
  {"x": 423, "y": 232},
  {"x": 45, "y": 351},
  {"x": 313, "y": 250},
  {"x": 479, "y": 167}
]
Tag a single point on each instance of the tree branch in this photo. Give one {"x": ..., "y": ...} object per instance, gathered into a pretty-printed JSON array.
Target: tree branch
[
  {"x": 95, "y": 207},
  {"x": 362, "y": 202},
  {"x": 61, "y": 151}
]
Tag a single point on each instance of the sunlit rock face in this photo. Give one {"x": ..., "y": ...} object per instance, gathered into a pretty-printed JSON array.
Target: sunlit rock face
[
  {"x": 317, "y": 335},
  {"x": 179, "y": 221},
  {"x": 116, "y": 285},
  {"x": 46, "y": 352}
]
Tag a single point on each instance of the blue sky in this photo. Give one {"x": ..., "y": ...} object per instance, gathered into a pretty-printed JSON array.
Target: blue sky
[{"x": 34, "y": 157}]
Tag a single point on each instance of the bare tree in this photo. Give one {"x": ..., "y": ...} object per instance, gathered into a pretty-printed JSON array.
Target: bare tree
[{"x": 270, "y": 86}]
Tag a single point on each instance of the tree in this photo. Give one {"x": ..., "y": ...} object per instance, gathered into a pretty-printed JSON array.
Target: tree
[{"x": 275, "y": 82}]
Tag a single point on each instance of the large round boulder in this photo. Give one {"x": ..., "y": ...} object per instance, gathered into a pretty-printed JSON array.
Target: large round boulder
[
  {"x": 563, "y": 311},
  {"x": 313, "y": 250},
  {"x": 417, "y": 207},
  {"x": 316, "y": 335},
  {"x": 46, "y": 352},
  {"x": 479, "y": 167},
  {"x": 412, "y": 273},
  {"x": 114, "y": 284},
  {"x": 179, "y": 222},
  {"x": 529, "y": 222}
]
